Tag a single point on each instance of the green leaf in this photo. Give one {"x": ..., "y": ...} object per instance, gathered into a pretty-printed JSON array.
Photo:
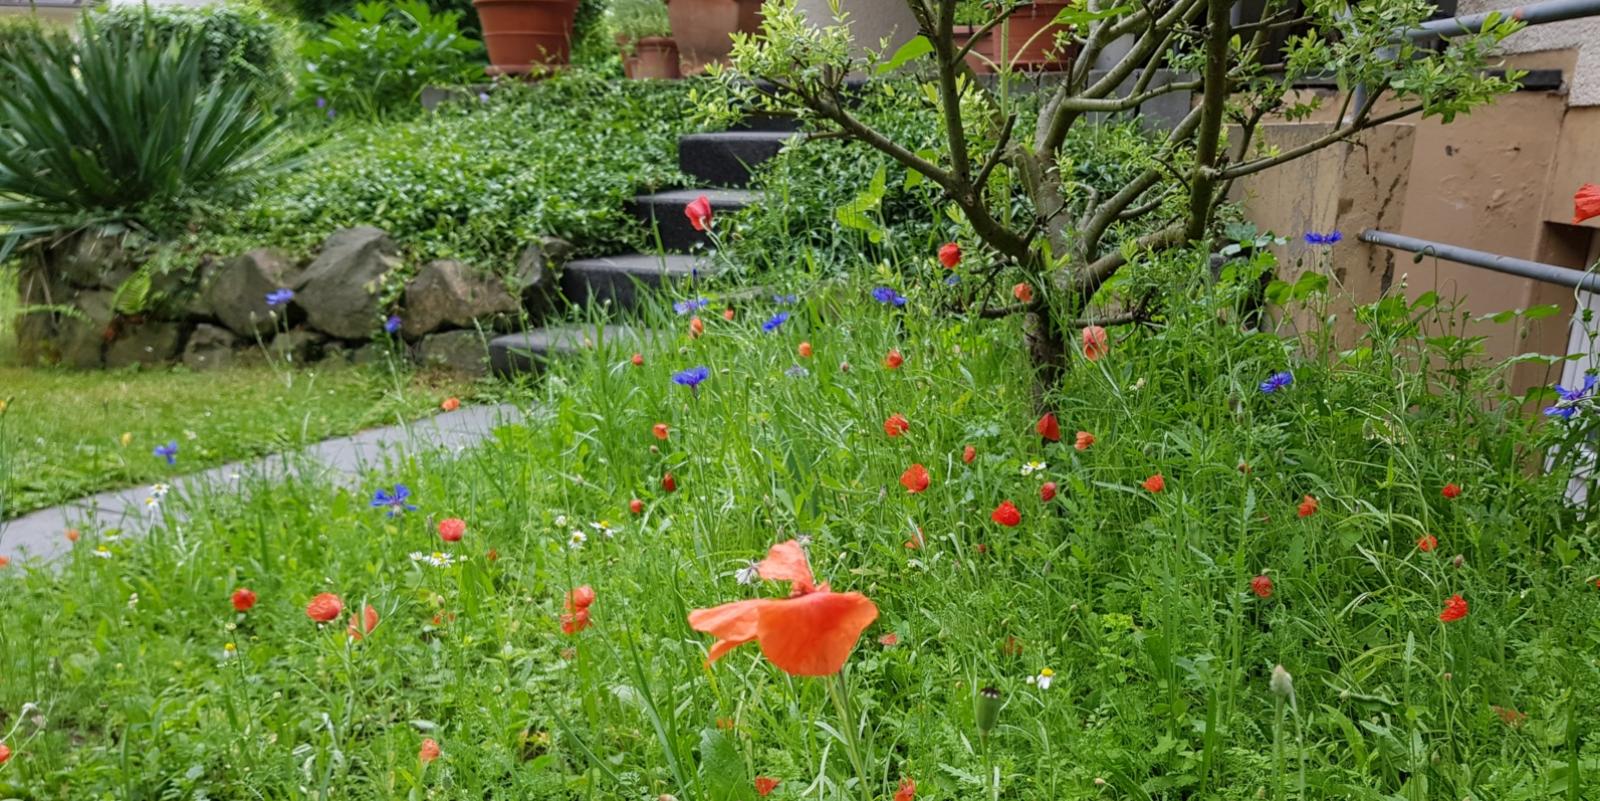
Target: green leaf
[
  {"x": 1079, "y": 16},
  {"x": 721, "y": 770},
  {"x": 918, "y": 47},
  {"x": 1541, "y": 312}
]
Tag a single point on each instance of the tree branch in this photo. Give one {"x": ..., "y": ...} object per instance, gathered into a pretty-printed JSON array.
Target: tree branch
[
  {"x": 1338, "y": 134},
  {"x": 1129, "y": 101},
  {"x": 1213, "y": 104},
  {"x": 1088, "y": 281}
]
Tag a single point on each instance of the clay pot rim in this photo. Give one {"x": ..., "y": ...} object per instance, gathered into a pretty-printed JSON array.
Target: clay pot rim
[{"x": 572, "y": 3}]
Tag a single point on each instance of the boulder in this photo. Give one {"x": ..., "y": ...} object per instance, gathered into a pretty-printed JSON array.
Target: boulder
[
  {"x": 80, "y": 340},
  {"x": 341, "y": 290},
  {"x": 449, "y": 294},
  {"x": 298, "y": 346},
  {"x": 210, "y": 348},
  {"x": 93, "y": 258},
  {"x": 144, "y": 343},
  {"x": 536, "y": 279},
  {"x": 463, "y": 351},
  {"x": 237, "y": 291}
]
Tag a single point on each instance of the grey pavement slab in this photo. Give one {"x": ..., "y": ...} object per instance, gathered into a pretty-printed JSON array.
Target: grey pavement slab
[{"x": 341, "y": 461}]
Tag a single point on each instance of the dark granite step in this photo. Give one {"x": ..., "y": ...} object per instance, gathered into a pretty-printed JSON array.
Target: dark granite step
[
  {"x": 529, "y": 351},
  {"x": 617, "y": 279},
  {"x": 727, "y": 158},
  {"x": 665, "y": 210}
]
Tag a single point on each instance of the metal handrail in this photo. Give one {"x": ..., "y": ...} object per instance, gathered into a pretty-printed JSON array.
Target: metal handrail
[
  {"x": 1539, "y": 271},
  {"x": 1529, "y": 14}
]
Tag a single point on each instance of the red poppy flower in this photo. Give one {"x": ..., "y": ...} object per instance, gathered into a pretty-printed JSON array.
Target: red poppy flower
[
  {"x": 660, "y": 430},
  {"x": 1427, "y": 543},
  {"x": 451, "y": 529},
  {"x": 1262, "y": 586},
  {"x": 907, "y": 791},
  {"x": 915, "y": 479},
  {"x": 1454, "y": 609},
  {"x": 1451, "y": 491},
  {"x": 810, "y": 633},
  {"x": 574, "y": 622},
  {"x": 1155, "y": 483},
  {"x": 580, "y": 598},
  {"x": 1085, "y": 439},
  {"x": 1586, "y": 203},
  {"x": 896, "y": 425},
  {"x": 73, "y": 535},
  {"x": 1308, "y": 507},
  {"x": 361, "y": 625},
  {"x": 638, "y": 360},
  {"x": 1095, "y": 343},
  {"x": 5, "y": 561},
  {"x": 1047, "y": 492},
  {"x": 636, "y": 506},
  {"x": 950, "y": 255},
  {"x": 668, "y": 483},
  {"x": 968, "y": 454},
  {"x": 893, "y": 360},
  {"x": 324, "y": 607},
  {"x": 889, "y": 640},
  {"x": 727, "y": 314},
  {"x": 243, "y": 600},
  {"x": 429, "y": 751},
  {"x": 1048, "y": 427},
  {"x": 1023, "y": 292},
  {"x": 765, "y": 785},
  {"x": 5, "y": 753},
  {"x": 917, "y": 541},
  {"x": 450, "y": 404},
  {"x": 699, "y": 213},
  {"x": 697, "y": 327},
  {"x": 804, "y": 350},
  {"x": 1006, "y": 514}
]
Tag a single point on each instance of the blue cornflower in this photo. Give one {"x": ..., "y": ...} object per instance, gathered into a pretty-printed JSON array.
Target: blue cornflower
[
  {"x": 1571, "y": 398},
  {"x": 797, "y": 372},
  {"x": 168, "y": 451},
  {"x": 884, "y": 294},
  {"x": 483, "y": 97},
  {"x": 395, "y": 500},
  {"x": 686, "y": 306},
  {"x": 777, "y": 320},
  {"x": 691, "y": 377},
  {"x": 322, "y": 102},
  {"x": 1330, "y": 238},
  {"x": 785, "y": 300},
  {"x": 392, "y": 324},
  {"x": 952, "y": 279},
  {"x": 1277, "y": 381},
  {"x": 279, "y": 297}
]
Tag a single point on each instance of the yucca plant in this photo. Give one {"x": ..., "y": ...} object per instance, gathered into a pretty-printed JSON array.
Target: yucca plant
[{"x": 116, "y": 128}]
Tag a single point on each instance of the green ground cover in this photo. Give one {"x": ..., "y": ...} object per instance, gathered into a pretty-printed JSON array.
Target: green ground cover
[{"x": 1151, "y": 610}]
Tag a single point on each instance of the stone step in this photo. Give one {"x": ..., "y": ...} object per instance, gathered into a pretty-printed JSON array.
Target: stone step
[
  {"x": 727, "y": 158},
  {"x": 617, "y": 279},
  {"x": 665, "y": 211},
  {"x": 529, "y": 351}
]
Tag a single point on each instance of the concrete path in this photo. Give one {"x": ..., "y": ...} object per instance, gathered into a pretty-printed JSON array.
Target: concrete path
[{"x": 41, "y": 535}]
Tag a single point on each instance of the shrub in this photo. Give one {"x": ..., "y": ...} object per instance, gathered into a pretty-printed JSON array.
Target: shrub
[
  {"x": 380, "y": 58},
  {"x": 109, "y": 128},
  {"x": 637, "y": 19},
  {"x": 237, "y": 42}
]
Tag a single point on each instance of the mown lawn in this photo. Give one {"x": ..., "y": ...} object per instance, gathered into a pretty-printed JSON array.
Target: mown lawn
[{"x": 1129, "y": 628}]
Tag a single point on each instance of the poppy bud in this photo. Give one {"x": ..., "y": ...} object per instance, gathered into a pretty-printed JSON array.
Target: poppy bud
[
  {"x": 73, "y": 535},
  {"x": 1281, "y": 683},
  {"x": 727, "y": 314},
  {"x": 1047, "y": 493},
  {"x": 696, "y": 327},
  {"x": 1458, "y": 561},
  {"x": 968, "y": 454},
  {"x": 636, "y": 506},
  {"x": 988, "y": 712},
  {"x": 638, "y": 360},
  {"x": 844, "y": 367}
]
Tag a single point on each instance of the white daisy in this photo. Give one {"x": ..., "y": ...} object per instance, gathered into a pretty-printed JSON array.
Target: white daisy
[
  {"x": 1042, "y": 681},
  {"x": 577, "y": 539},
  {"x": 1033, "y": 467},
  {"x": 561, "y": 521},
  {"x": 437, "y": 558},
  {"x": 605, "y": 527},
  {"x": 101, "y": 551}
]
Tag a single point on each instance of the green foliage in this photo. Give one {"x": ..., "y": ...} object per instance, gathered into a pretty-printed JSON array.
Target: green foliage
[
  {"x": 478, "y": 180},
  {"x": 20, "y": 33},
  {"x": 238, "y": 42},
  {"x": 111, "y": 128},
  {"x": 378, "y": 59},
  {"x": 637, "y": 19}
]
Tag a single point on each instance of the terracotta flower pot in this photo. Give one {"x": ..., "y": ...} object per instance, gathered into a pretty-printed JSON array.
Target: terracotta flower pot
[
  {"x": 656, "y": 57},
  {"x": 630, "y": 58},
  {"x": 979, "y": 58},
  {"x": 523, "y": 34},
  {"x": 703, "y": 29},
  {"x": 1028, "y": 41}
]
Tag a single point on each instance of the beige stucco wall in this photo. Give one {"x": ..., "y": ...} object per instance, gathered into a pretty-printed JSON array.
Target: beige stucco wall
[
  {"x": 872, "y": 22},
  {"x": 1581, "y": 35}
]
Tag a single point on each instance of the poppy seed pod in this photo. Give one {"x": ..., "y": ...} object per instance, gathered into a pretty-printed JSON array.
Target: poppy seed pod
[{"x": 988, "y": 712}]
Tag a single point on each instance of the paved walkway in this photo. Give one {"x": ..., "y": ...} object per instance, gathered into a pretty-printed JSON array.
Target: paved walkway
[{"x": 41, "y": 535}]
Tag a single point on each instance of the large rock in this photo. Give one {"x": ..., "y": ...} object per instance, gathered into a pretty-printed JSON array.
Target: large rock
[
  {"x": 210, "y": 348},
  {"x": 536, "y": 280},
  {"x": 298, "y": 347},
  {"x": 144, "y": 343},
  {"x": 449, "y": 294},
  {"x": 80, "y": 339},
  {"x": 341, "y": 290},
  {"x": 237, "y": 291},
  {"x": 462, "y": 351},
  {"x": 93, "y": 258}
]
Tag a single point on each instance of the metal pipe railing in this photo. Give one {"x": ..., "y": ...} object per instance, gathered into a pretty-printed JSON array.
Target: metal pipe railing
[
  {"x": 1539, "y": 271},
  {"x": 1530, "y": 14}
]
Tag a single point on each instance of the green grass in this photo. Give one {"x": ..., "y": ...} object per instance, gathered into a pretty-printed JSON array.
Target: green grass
[
  {"x": 1139, "y": 602},
  {"x": 66, "y": 434}
]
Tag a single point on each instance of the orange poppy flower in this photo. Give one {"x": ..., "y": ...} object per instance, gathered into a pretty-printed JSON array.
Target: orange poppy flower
[
  {"x": 636, "y": 506},
  {"x": 893, "y": 360},
  {"x": 1155, "y": 483},
  {"x": 1085, "y": 439},
  {"x": 915, "y": 479},
  {"x": 1006, "y": 514},
  {"x": 1095, "y": 343},
  {"x": 451, "y": 529},
  {"x": 1454, "y": 609},
  {"x": 765, "y": 785},
  {"x": 696, "y": 327},
  {"x": 660, "y": 430},
  {"x": 428, "y": 752},
  {"x": 805, "y": 350},
  {"x": 810, "y": 633},
  {"x": 73, "y": 535},
  {"x": 361, "y": 625},
  {"x": 727, "y": 314},
  {"x": 1023, "y": 293},
  {"x": 324, "y": 607},
  {"x": 950, "y": 255},
  {"x": 638, "y": 360},
  {"x": 896, "y": 425},
  {"x": 1308, "y": 507},
  {"x": 5, "y": 561},
  {"x": 1048, "y": 427},
  {"x": 5, "y": 753},
  {"x": 1427, "y": 543},
  {"x": 1586, "y": 203},
  {"x": 889, "y": 640},
  {"x": 907, "y": 791},
  {"x": 450, "y": 404}
]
